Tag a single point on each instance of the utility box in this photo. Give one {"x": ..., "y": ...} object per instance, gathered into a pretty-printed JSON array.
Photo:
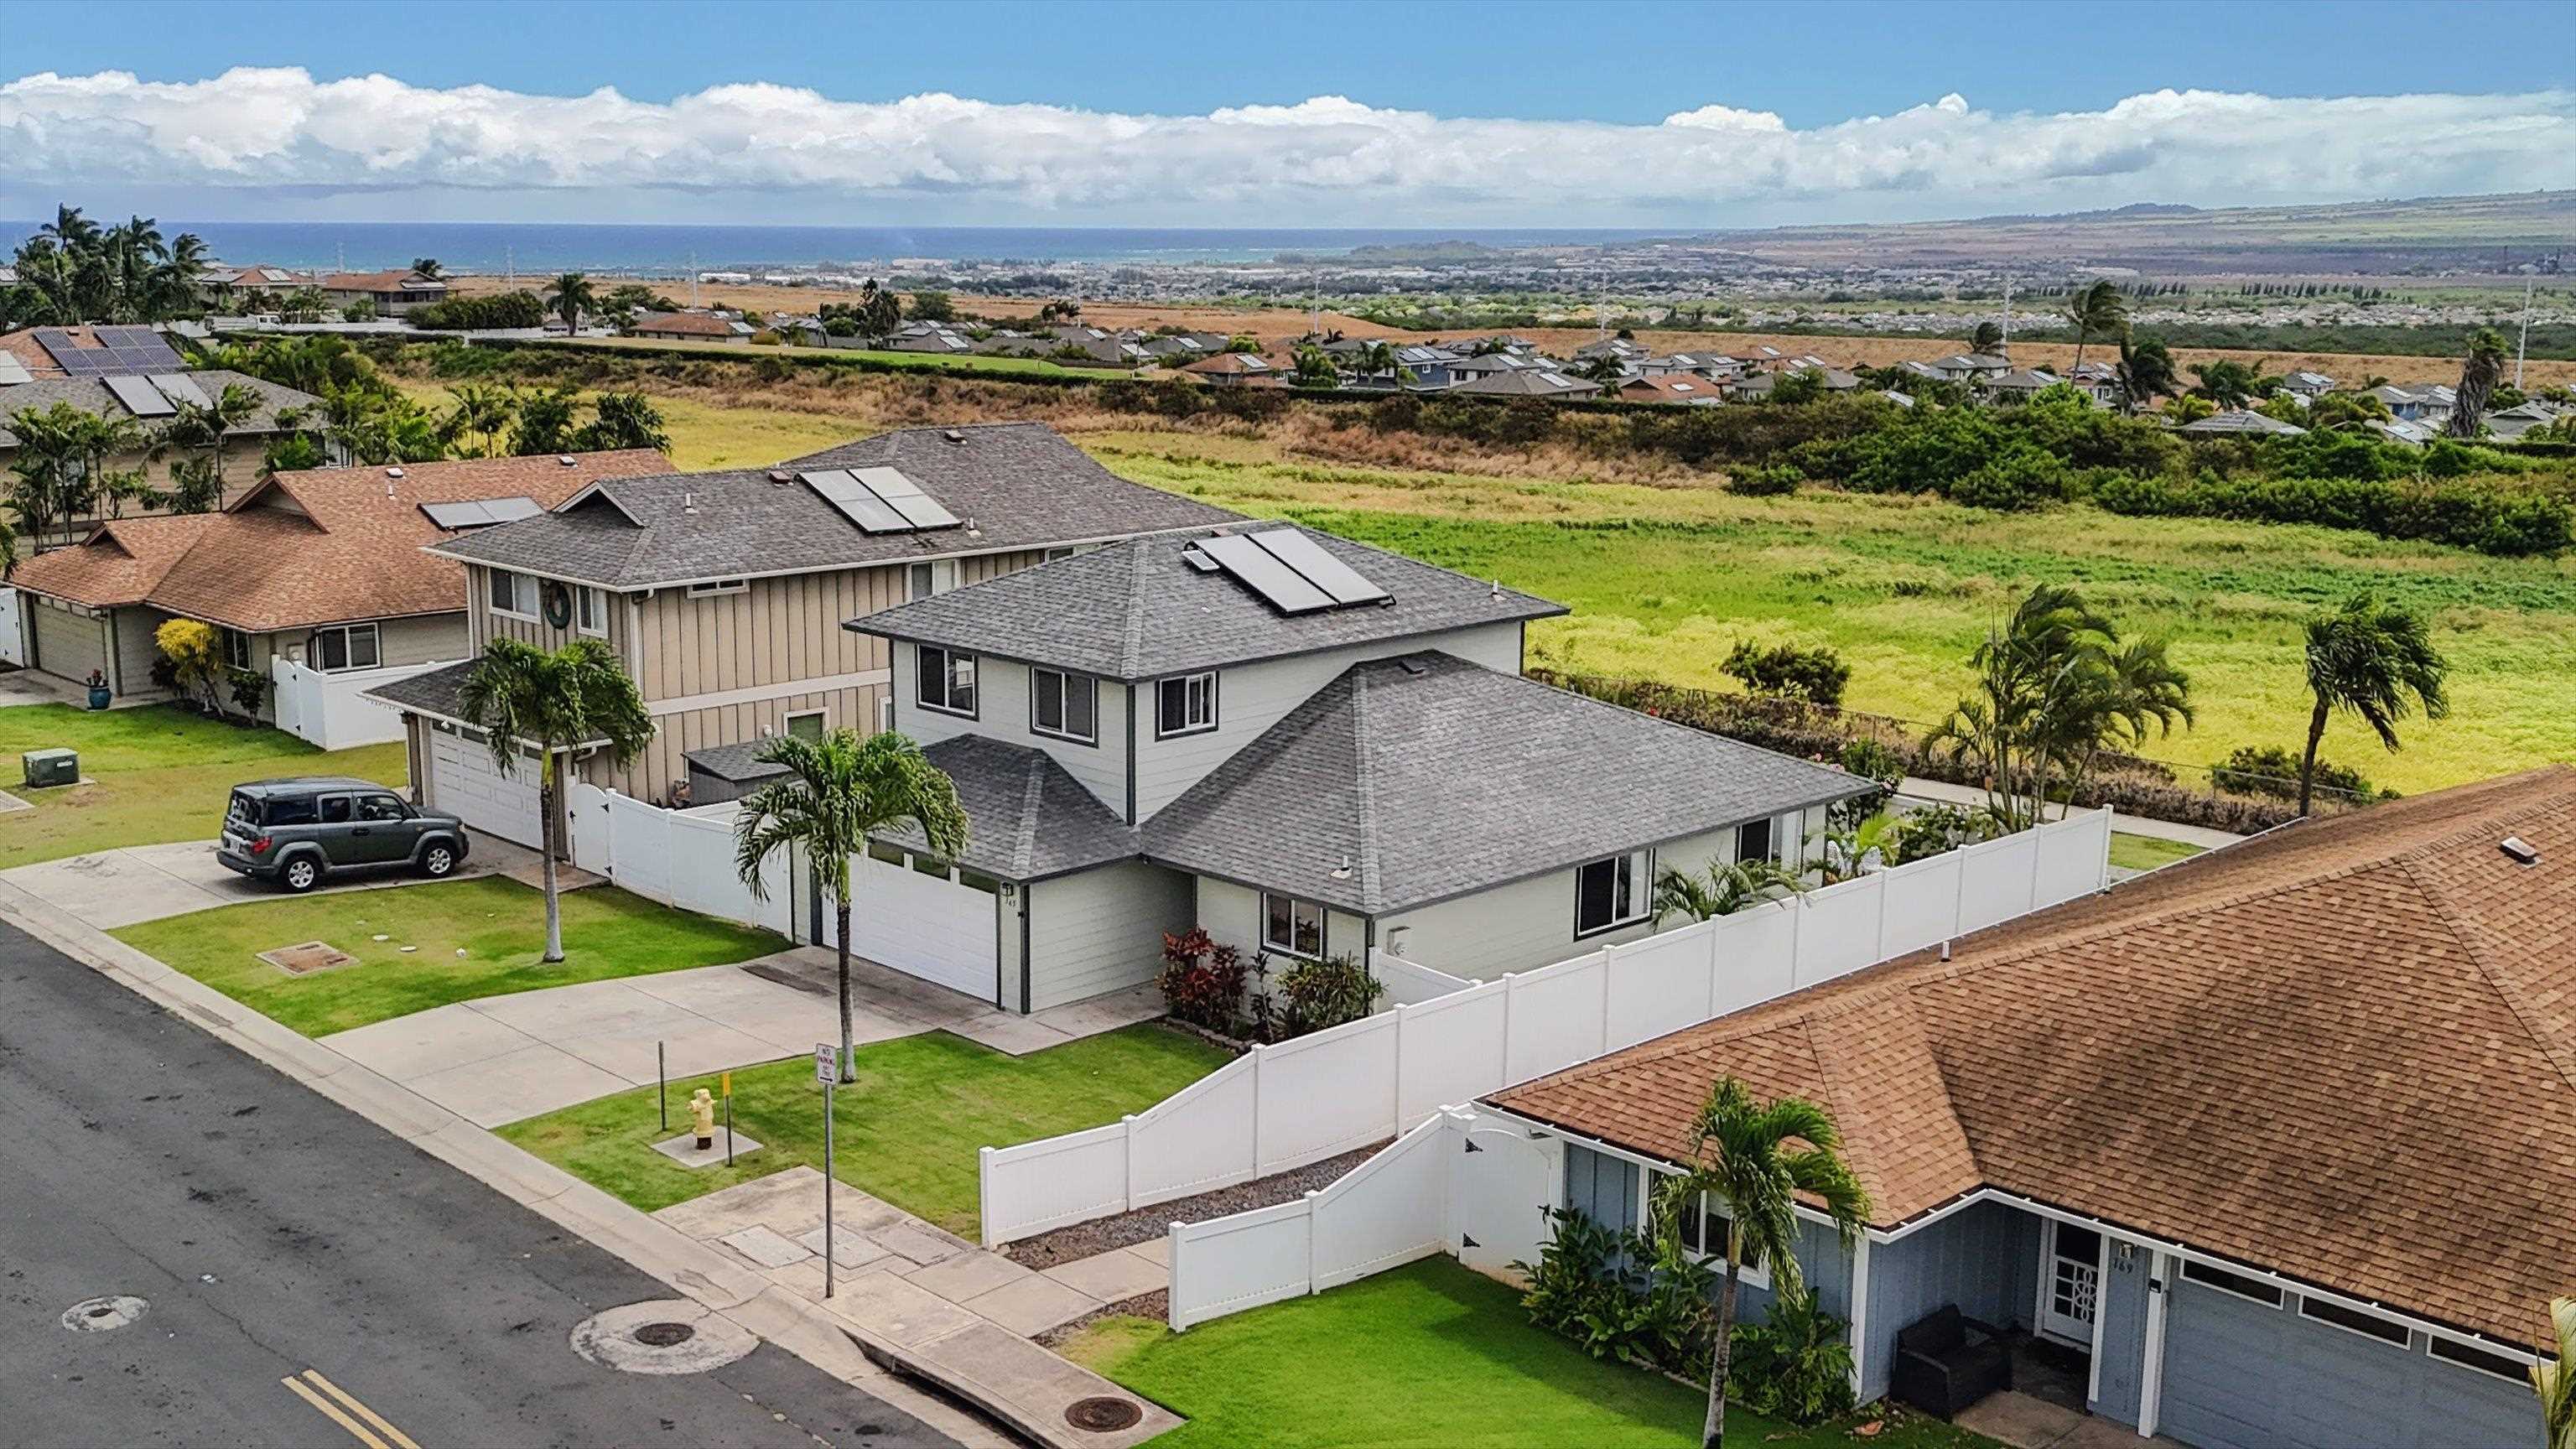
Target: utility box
[{"x": 51, "y": 767}]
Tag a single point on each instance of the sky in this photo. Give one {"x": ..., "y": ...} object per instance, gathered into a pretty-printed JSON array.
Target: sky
[{"x": 1490, "y": 113}]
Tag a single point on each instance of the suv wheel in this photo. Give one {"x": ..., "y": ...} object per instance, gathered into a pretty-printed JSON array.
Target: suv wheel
[
  {"x": 301, "y": 874},
  {"x": 437, "y": 861}
]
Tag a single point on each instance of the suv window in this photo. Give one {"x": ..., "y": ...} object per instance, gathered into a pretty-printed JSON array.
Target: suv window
[
  {"x": 381, "y": 807},
  {"x": 335, "y": 809},
  {"x": 288, "y": 810}
]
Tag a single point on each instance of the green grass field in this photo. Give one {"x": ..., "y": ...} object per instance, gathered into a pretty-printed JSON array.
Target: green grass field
[
  {"x": 904, "y": 361},
  {"x": 1426, "y": 1357},
  {"x": 498, "y": 925},
  {"x": 1663, "y": 581},
  {"x": 159, "y": 773},
  {"x": 906, "y": 1129},
  {"x": 2146, "y": 852},
  {"x": 705, "y": 436}
]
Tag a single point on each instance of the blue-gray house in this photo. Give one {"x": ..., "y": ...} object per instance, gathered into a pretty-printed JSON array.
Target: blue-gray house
[{"x": 2267, "y": 1150}]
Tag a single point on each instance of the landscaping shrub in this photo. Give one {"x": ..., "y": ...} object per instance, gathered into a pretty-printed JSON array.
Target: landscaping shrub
[
  {"x": 1785, "y": 671},
  {"x": 2274, "y": 771},
  {"x": 1318, "y": 994},
  {"x": 1768, "y": 480},
  {"x": 1614, "y": 1296},
  {"x": 2025, "y": 478},
  {"x": 1201, "y": 981},
  {"x": 1796, "y": 1364},
  {"x": 460, "y": 314},
  {"x": 1933, "y": 830}
]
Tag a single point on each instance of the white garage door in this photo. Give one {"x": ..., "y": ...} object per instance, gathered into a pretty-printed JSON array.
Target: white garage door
[
  {"x": 937, "y": 927},
  {"x": 464, "y": 782}
]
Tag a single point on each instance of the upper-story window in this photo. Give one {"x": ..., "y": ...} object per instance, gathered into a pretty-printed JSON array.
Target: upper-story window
[
  {"x": 1061, "y": 551},
  {"x": 590, "y": 609},
  {"x": 514, "y": 594},
  {"x": 718, "y": 586},
  {"x": 1064, "y": 705},
  {"x": 1614, "y": 892},
  {"x": 922, "y": 580},
  {"x": 1185, "y": 705},
  {"x": 947, "y": 682}
]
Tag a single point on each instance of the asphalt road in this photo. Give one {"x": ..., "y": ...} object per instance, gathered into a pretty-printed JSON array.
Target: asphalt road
[{"x": 274, "y": 1233}]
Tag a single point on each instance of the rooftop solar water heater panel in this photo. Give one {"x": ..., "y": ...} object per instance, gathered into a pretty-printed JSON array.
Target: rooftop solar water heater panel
[
  {"x": 1319, "y": 568},
  {"x": 1284, "y": 588},
  {"x": 511, "y": 510},
  {"x": 178, "y": 387},
  {"x": 140, "y": 397},
  {"x": 905, "y": 497},
  {"x": 857, "y": 502}
]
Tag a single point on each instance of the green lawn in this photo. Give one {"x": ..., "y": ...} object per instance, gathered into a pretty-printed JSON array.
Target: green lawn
[
  {"x": 1428, "y": 1356},
  {"x": 160, "y": 773},
  {"x": 2146, "y": 852},
  {"x": 498, "y": 925},
  {"x": 906, "y": 1129},
  {"x": 1663, "y": 580}
]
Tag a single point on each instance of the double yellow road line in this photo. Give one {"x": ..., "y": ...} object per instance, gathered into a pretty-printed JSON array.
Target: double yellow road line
[{"x": 342, "y": 1408}]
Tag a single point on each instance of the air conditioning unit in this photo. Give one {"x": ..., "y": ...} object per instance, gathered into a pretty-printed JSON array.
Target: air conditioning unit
[{"x": 50, "y": 767}]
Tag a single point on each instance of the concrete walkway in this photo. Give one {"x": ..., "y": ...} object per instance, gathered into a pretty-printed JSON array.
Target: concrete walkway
[
  {"x": 114, "y": 888},
  {"x": 2024, "y": 1421},
  {"x": 1940, "y": 792},
  {"x": 498, "y": 1059}
]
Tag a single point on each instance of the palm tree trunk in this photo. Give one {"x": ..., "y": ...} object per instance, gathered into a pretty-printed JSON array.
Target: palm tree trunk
[
  {"x": 1714, "y": 1428},
  {"x": 2308, "y": 762},
  {"x": 849, "y": 1058},
  {"x": 546, "y": 840}
]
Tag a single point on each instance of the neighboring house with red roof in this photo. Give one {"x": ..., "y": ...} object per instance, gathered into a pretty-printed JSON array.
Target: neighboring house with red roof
[
  {"x": 394, "y": 292},
  {"x": 2273, "y": 1143},
  {"x": 1671, "y": 387},
  {"x": 1233, "y": 369},
  {"x": 691, "y": 327},
  {"x": 322, "y": 567}
]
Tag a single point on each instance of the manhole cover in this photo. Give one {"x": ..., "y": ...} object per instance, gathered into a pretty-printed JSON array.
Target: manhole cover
[
  {"x": 308, "y": 958},
  {"x": 97, "y": 1315},
  {"x": 1100, "y": 1414},
  {"x": 667, "y": 1336}
]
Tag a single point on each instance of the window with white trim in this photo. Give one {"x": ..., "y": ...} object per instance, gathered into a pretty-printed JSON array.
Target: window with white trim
[
  {"x": 590, "y": 609},
  {"x": 2479, "y": 1360},
  {"x": 2353, "y": 1320},
  {"x": 1291, "y": 925},
  {"x": 808, "y": 724},
  {"x": 1185, "y": 705},
  {"x": 514, "y": 594},
  {"x": 343, "y": 647},
  {"x": 1064, "y": 706},
  {"x": 1755, "y": 840},
  {"x": 922, "y": 580},
  {"x": 947, "y": 680},
  {"x": 718, "y": 586},
  {"x": 236, "y": 649},
  {"x": 1703, "y": 1231},
  {"x": 1614, "y": 892},
  {"x": 2267, "y": 1294},
  {"x": 1058, "y": 553}
]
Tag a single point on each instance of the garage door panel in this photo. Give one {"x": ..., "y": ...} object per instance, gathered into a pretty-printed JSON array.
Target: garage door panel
[
  {"x": 466, "y": 784},
  {"x": 922, "y": 925}
]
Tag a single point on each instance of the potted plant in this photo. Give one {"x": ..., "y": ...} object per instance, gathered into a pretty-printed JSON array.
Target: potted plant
[{"x": 99, "y": 694}]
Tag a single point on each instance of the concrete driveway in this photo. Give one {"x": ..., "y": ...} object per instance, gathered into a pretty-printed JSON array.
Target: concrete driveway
[{"x": 113, "y": 888}]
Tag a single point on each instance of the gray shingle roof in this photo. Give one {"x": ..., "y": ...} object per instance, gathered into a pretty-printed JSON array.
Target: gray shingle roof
[
  {"x": 1431, "y": 777},
  {"x": 1021, "y": 484},
  {"x": 91, "y": 395},
  {"x": 1026, "y": 818},
  {"x": 431, "y": 693},
  {"x": 1139, "y": 610},
  {"x": 735, "y": 764}
]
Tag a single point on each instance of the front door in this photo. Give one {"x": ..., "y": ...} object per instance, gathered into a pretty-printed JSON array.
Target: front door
[{"x": 2070, "y": 1282}]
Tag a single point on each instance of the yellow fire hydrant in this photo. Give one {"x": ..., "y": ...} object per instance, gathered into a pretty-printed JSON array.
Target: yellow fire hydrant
[{"x": 702, "y": 1116}]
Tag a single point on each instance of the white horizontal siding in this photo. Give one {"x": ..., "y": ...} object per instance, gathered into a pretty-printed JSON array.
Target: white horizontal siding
[
  {"x": 1101, "y": 930},
  {"x": 1526, "y": 924},
  {"x": 1253, "y": 697}
]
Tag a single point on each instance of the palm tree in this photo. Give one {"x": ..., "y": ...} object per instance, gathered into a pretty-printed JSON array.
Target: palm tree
[
  {"x": 2479, "y": 374},
  {"x": 482, "y": 410},
  {"x": 1753, "y": 1160},
  {"x": 574, "y": 697},
  {"x": 1723, "y": 889},
  {"x": 1848, "y": 851},
  {"x": 571, "y": 294},
  {"x": 2146, "y": 370},
  {"x": 2554, "y": 1379},
  {"x": 206, "y": 427},
  {"x": 1605, "y": 369},
  {"x": 1988, "y": 338},
  {"x": 2376, "y": 663},
  {"x": 2096, "y": 311},
  {"x": 426, "y": 267},
  {"x": 838, "y": 789}
]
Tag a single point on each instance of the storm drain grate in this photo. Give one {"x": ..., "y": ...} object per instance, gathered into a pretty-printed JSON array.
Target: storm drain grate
[
  {"x": 664, "y": 1335},
  {"x": 308, "y": 958},
  {"x": 1100, "y": 1414}
]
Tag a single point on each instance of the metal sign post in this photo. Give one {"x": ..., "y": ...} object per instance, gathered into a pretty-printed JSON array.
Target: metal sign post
[
  {"x": 827, "y": 1071},
  {"x": 727, "y": 1082}
]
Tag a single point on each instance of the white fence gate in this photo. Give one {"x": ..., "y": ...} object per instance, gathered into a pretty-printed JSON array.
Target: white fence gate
[
  {"x": 681, "y": 858},
  {"x": 330, "y": 710},
  {"x": 1282, "y": 1107},
  {"x": 13, "y": 629}
]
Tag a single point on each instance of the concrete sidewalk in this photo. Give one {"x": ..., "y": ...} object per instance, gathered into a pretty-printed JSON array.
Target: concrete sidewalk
[
  {"x": 123, "y": 887},
  {"x": 1941, "y": 792},
  {"x": 1032, "y": 1395}
]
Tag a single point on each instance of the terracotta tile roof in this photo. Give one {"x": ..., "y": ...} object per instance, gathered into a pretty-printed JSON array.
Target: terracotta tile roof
[
  {"x": 317, "y": 547},
  {"x": 1670, "y": 387},
  {"x": 696, "y": 324},
  {"x": 2344, "y": 1051},
  {"x": 400, "y": 279}
]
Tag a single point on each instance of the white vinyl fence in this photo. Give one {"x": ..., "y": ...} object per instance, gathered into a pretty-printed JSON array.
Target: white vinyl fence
[
  {"x": 681, "y": 858},
  {"x": 329, "y": 710},
  {"x": 1282, "y": 1107}
]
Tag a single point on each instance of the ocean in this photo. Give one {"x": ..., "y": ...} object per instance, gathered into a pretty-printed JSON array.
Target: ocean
[{"x": 541, "y": 249}]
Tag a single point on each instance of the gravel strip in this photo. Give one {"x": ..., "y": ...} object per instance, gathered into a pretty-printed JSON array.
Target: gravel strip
[{"x": 1085, "y": 1240}]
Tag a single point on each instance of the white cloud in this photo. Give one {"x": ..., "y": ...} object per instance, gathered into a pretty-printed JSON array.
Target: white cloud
[{"x": 1328, "y": 159}]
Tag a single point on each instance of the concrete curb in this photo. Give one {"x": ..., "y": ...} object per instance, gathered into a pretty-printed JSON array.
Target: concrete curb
[{"x": 753, "y": 1302}]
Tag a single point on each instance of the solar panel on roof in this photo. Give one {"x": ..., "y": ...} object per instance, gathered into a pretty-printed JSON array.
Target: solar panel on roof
[
  {"x": 463, "y": 513},
  {"x": 511, "y": 510},
  {"x": 13, "y": 372},
  {"x": 905, "y": 497},
  {"x": 140, "y": 397},
  {"x": 1286, "y": 590},
  {"x": 1319, "y": 568},
  {"x": 856, "y": 501},
  {"x": 180, "y": 388}
]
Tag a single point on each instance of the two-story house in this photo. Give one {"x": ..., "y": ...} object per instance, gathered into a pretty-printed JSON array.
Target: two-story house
[
  {"x": 723, "y": 592},
  {"x": 1310, "y": 747}
]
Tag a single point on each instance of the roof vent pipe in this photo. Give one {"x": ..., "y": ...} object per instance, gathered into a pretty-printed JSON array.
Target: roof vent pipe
[
  {"x": 565, "y": 460},
  {"x": 688, "y": 503},
  {"x": 2519, "y": 850},
  {"x": 1945, "y": 950}
]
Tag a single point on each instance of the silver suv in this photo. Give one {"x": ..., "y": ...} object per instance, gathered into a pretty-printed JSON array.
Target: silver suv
[{"x": 297, "y": 831}]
